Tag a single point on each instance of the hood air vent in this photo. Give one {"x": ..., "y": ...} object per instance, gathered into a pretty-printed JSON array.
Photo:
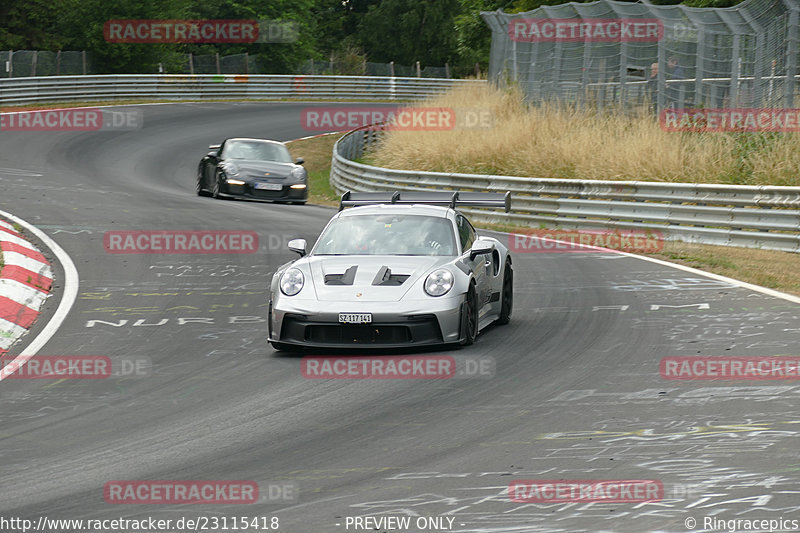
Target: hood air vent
[
  {"x": 342, "y": 279},
  {"x": 385, "y": 277}
]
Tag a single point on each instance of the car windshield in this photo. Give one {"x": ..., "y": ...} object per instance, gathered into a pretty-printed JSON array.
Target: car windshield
[
  {"x": 388, "y": 235},
  {"x": 256, "y": 151}
]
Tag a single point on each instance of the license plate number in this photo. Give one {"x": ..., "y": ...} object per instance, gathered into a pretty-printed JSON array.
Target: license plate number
[
  {"x": 355, "y": 318},
  {"x": 269, "y": 186}
]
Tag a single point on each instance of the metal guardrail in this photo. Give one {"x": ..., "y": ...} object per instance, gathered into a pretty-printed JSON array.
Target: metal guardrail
[
  {"x": 750, "y": 216},
  {"x": 46, "y": 89},
  {"x": 765, "y": 217}
]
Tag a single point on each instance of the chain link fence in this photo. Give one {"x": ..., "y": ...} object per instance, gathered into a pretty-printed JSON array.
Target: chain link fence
[
  {"x": 368, "y": 68},
  {"x": 217, "y": 64},
  {"x": 25, "y": 63},
  {"x": 618, "y": 53}
]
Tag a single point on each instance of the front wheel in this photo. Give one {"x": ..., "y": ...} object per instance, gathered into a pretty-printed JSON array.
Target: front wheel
[
  {"x": 200, "y": 190},
  {"x": 469, "y": 318},
  {"x": 215, "y": 190},
  {"x": 508, "y": 295}
]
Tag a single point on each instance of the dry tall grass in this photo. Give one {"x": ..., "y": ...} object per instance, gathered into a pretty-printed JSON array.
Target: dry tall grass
[{"x": 560, "y": 142}]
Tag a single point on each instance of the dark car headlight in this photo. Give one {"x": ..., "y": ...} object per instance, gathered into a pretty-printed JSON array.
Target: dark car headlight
[
  {"x": 292, "y": 282},
  {"x": 439, "y": 282}
]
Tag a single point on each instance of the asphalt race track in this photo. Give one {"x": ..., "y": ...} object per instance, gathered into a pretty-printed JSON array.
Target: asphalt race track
[{"x": 575, "y": 394}]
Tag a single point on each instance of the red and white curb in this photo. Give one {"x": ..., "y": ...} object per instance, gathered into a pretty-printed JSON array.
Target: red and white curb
[
  {"x": 25, "y": 282},
  {"x": 71, "y": 285}
]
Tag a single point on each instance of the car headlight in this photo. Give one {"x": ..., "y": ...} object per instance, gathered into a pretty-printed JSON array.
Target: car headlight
[
  {"x": 298, "y": 173},
  {"x": 292, "y": 282},
  {"x": 439, "y": 282}
]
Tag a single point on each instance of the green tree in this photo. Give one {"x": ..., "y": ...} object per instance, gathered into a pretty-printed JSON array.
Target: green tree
[
  {"x": 28, "y": 26},
  {"x": 473, "y": 35},
  {"x": 81, "y": 23},
  {"x": 273, "y": 57},
  {"x": 410, "y": 30}
]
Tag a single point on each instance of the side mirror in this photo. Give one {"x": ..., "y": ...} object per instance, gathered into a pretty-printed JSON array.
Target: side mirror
[
  {"x": 211, "y": 154},
  {"x": 298, "y": 245},
  {"x": 300, "y": 161},
  {"x": 480, "y": 247}
]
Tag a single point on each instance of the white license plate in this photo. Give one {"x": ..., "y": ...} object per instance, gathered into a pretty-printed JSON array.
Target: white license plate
[
  {"x": 355, "y": 318},
  {"x": 269, "y": 186}
]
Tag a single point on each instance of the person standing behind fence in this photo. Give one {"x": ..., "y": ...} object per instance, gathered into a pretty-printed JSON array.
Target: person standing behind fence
[{"x": 674, "y": 72}]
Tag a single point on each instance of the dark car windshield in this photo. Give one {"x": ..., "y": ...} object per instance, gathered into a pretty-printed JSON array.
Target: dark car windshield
[
  {"x": 388, "y": 235},
  {"x": 256, "y": 151}
]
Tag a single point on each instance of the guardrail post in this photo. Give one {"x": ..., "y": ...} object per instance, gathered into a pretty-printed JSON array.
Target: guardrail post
[
  {"x": 58, "y": 63},
  {"x": 83, "y": 62},
  {"x": 419, "y": 72},
  {"x": 10, "y": 68},
  {"x": 191, "y": 64},
  {"x": 33, "y": 63},
  {"x": 219, "y": 71}
]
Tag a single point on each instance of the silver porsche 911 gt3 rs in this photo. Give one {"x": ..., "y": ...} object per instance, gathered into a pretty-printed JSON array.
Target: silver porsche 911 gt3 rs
[{"x": 396, "y": 270}]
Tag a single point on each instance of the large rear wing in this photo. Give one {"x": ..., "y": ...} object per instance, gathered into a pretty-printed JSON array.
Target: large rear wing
[{"x": 452, "y": 199}]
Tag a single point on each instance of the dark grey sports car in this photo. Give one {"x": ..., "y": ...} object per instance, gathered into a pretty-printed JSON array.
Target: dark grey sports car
[{"x": 258, "y": 169}]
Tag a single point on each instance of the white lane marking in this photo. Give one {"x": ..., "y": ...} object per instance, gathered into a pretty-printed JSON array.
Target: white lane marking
[
  {"x": 19, "y": 171},
  {"x": 742, "y": 284},
  {"x": 71, "y": 283},
  {"x": 320, "y": 135}
]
